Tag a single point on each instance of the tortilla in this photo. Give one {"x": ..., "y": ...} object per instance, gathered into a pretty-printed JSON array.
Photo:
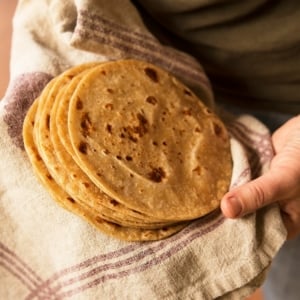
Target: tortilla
[
  {"x": 147, "y": 141},
  {"x": 129, "y": 148}
]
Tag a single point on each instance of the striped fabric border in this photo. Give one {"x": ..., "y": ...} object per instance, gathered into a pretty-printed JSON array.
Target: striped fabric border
[{"x": 138, "y": 45}]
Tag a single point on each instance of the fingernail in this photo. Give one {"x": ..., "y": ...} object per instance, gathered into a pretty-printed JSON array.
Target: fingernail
[{"x": 235, "y": 207}]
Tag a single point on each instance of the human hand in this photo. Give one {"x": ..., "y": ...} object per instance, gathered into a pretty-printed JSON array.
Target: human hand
[{"x": 280, "y": 184}]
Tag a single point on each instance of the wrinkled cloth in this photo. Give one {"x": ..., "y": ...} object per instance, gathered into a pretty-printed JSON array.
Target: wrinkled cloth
[{"x": 47, "y": 252}]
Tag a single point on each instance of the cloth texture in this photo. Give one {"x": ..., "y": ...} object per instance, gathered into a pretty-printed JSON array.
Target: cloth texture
[{"x": 47, "y": 252}]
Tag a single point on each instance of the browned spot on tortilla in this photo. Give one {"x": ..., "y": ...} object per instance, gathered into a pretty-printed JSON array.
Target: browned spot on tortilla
[
  {"x": 109, "y": 128},
  {"x": 71, "y": 199},
  {"x": 152, "y": 100},
  {"x": 219, "y": 131},
  {"x": 38, "y": 157},
  {"x": 133, "y": 132},
  {"x": 79, "y": 104},
  {"x": 157, "y": 174},
  {"x": 114, "y": 202},
  {"x": 86, "y": 124},
  {"x": 141, "y": 129},
  {"x": 83, "y": 147},
  {"x": 152, "y": 74},
  {"x": 48, "y": 122},
  {"x": 187, "y": 92},
  {"x": 49, "y": 177}
]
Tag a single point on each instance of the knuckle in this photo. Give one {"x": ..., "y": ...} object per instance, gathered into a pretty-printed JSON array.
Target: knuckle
[{"x": 258, "y": 196}]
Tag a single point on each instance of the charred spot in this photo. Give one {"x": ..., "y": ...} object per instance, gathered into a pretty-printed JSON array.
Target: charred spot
[
  {"x": 128, "y": 158},
  {"x": 154, "y": 143},
  {"x": 49, "y": 177},
  {"x": 71, "y": 199},
  {"x": 110, "y": 90},
  {"x": 86, "y": 124},
  {"x": 79, "y": 104},
  {"x": 218, "y": 130},
  {"x": 152, "y": 74},
  {"x": 106, "y": 152},
  {"x": 133, "y": 139},
  {"x": 152, "y": 100},
  {"x": 157, "y": 174},
  {"x": 187, "y": 92},
  {"x": 83, "y": 148},
  {"x": 114, "y": 202},
  {"x": 119, "y": 157},
  {"x": 133, "y": 132},
  {"x": 48, "y": 122},
  {"x": 109, "y": 128},
  {"x": 86, "y": 185},
  {"x": 38, "y": 157},
  {"x": 197, "y": 129},
  {"x": 141, "y": 129},
  {"x": 164, "y": 143},
  {"x": 103, "y": 72}
]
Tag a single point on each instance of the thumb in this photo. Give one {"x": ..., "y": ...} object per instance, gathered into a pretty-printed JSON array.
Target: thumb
[{"x": 251, "y": 196}]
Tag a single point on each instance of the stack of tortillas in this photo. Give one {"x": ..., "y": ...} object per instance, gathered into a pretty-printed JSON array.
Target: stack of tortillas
[{"x": 129, "y": 148}]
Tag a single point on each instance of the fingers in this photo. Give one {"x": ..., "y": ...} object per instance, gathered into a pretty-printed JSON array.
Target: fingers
[{"x": 251, "y": 196}]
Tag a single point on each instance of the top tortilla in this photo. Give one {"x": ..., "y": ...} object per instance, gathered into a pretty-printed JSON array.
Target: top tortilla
[{"x": 146, "y": 140}]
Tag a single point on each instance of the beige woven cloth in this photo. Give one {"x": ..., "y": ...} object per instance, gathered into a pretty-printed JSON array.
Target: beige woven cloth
[{"x": 49, "y": 253}]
